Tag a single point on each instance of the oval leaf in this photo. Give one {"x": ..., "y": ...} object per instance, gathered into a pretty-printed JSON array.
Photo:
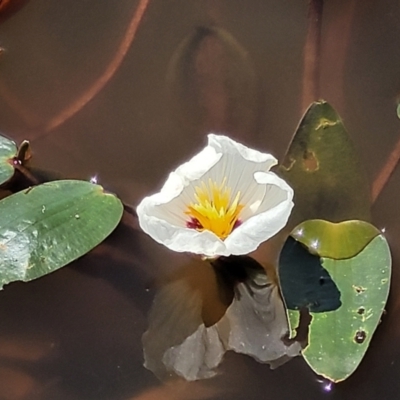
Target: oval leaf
[
  {"x": 322, "y": 166},
  {"x": 48, "y": 226},
  {"x": 8, "y": 150},
  {"x": 339, "y": 339},
  {"x": 335, "y": 240},
  {"x": 339, "y": 332},
  {"x": 212, "y": 83}
]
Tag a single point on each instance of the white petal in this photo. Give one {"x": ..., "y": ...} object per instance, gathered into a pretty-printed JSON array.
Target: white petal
[
  {"x": 274, "y": 212},
  {"x": 184, "y": 174},
  {"x": 175, "y": 237},
  {"x": 267, "y": 200},
  {"x": 198, "y": 165},
  {"x": 162, "y": 215},
  {"x": 238, "y": 166},
  {"x": 223, "y": 144}
]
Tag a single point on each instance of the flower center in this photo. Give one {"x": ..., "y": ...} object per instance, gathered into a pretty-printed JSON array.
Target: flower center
[{"x": 214, "y": 210}]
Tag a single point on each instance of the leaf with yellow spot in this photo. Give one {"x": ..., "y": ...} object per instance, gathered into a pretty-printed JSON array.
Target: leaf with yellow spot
[
  {"x": 8, "y": 150},
  {"x": 335, "y": 240},
  {"x": 323, "y": 168}
]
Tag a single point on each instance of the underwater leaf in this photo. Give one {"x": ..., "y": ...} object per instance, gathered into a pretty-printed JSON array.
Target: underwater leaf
[
  {"x": 338, "y": 338},
  {"x": 48, "y": 226},
  {"x": 335, "y": 240},
  {"x": 212, "y": 83},
  {"x": 8, "y": 150},
  {"x": 322, "y": 167}
]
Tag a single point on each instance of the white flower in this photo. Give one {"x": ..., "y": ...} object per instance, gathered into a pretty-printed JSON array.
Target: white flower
[{"x": 223, "y": 201}]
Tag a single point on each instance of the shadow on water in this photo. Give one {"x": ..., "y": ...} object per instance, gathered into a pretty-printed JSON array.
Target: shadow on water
[{"x": 77, "y": 334}]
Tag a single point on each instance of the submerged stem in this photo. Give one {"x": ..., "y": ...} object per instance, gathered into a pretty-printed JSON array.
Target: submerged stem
[
  {"x": 311, "y": 53},
  {"x": 386, "y": 172},
  {"x": 77, "y": 105},
  {"x": 109, "y": 72},
  {"x": 26, "y": 173}
]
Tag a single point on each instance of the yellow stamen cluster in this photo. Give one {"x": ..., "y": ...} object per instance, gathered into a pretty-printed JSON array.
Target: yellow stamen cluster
[{"x": 214, "y": 210}]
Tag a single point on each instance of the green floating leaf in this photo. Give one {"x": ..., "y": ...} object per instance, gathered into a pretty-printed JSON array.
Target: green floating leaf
[
  {"x": 335, "y": 240},
  {"x": 338, "y": 336},
  {"x": 339, "y": 340},
  {"x": 50, "y": 225},
  {"x": 8, "y": 150},
  {"x": 322, "y": 166}
]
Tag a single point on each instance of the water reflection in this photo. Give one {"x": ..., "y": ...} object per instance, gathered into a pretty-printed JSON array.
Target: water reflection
[
  {"x": 21, "y": 358},
  {"x": 9, "y": 7},
  {"x": 206, "y": 309},
  {"x": 95, "y": 309}
]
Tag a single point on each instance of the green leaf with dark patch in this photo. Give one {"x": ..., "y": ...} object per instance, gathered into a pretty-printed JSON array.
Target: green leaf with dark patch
[
  {"x": 50, "y": 225},
  {"x": 338, "y": 336},
  {"x": 335, "y": 240},
  {"x": 322, "y": 166},
  {"x": 339, "y": 340},
  {"x": 8, "y": 150},
  {"x": 305, "y": 283}
]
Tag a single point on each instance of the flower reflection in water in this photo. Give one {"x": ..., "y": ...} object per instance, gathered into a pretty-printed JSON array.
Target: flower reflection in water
[{"x": 204, "y": 310}]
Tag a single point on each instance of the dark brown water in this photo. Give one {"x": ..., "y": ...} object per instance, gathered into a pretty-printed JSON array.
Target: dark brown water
[{"x": 233, "y": 67}]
